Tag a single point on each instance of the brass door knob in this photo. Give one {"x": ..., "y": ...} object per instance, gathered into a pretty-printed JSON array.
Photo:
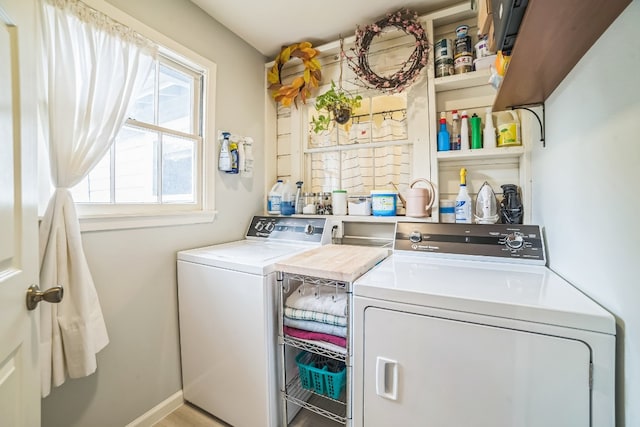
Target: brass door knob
[{"x": 35, "y": 295}]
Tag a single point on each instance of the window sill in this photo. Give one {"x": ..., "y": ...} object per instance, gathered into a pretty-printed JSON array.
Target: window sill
[{"x": 123, "y": 222}]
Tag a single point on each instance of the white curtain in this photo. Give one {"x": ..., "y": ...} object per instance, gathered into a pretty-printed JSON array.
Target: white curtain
[{"x": 92, "y": 70}]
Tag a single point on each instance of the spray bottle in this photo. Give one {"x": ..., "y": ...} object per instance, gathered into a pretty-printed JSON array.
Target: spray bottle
[
  {"x": 224, "y": 160},
  {"x": 464, "y": 131},
  {"x": 463, "y": 200},
  {"x": 233, "y": 155},
  {"x": 443, "y": 134},
  {"x": 299, "y": 199}
]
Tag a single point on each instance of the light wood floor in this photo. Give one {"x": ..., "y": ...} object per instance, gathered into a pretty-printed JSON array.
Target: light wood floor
[{"x": 190, "y": 416}]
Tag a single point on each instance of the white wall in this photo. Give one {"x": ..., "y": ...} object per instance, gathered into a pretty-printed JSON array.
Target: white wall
[
  {"x": 134, "y": 270},
  {"x": 586, "y": 193}
]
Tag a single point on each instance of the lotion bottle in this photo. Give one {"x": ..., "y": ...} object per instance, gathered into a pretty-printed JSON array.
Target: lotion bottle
[{"x": 463, "y": 200}]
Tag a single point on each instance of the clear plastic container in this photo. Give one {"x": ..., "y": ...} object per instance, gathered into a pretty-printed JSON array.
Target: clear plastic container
[{"x": 309, "y": 207}]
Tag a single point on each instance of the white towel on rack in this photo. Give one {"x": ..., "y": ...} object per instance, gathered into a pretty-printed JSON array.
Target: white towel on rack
[
  {"x": 323, "y": 299},
  {"x": 294, "y": 313},
  {"x": 311, "y": 326}
]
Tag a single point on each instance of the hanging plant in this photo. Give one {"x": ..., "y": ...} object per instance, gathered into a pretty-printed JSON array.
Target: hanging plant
[
  {"x": 301, "y": 85},
  {"x": 338, "y": 103},
  {"x": 404, "y": 20}
]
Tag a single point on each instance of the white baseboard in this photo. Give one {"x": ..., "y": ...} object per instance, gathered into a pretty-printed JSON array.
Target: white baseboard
[{"x": 159, "y": 411}]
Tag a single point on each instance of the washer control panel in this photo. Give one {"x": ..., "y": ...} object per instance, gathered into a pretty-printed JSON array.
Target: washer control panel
[
  {"x": 504, "y": 241},
  {"x": 287, "y": 229}
]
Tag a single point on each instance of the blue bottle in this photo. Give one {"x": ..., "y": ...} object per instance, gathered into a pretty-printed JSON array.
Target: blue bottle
[{"x": 443, "y": 136}]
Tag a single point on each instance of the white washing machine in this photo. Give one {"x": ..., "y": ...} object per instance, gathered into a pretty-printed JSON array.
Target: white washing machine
[
  {"x": 465, "y": 326},
  {"x": 228, "y": 318}
]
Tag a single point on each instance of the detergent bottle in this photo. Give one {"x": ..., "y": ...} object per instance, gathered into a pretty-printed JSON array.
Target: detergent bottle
[
  {"x": 288, "y": 199},
  {"x": 508, "y": 129},
  {"x": 274, "y": 198},
  {"x": 463, "y": 200}
]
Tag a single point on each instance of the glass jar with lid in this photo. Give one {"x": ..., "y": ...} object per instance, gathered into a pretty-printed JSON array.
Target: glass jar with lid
[
  {"x": 327, "y": 203},
  {"x": 309, "y": 206}
]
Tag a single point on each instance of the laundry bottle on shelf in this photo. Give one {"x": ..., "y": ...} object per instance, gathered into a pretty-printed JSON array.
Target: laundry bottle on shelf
[
  {"x": 443, "y": 134},
  {"x": 464, "y": 131},
  {"x": 455, "y": 130},
  {"x": 463, "y": 200},
  {"x": 274, "y": 199},
  {"x": 508, "y": 129},
  {"x": 288, "y": 200},
  {"x": 489, "y": 133},
  {"x": 224, "y": 159},
  {"x": 476, "y": 132}
]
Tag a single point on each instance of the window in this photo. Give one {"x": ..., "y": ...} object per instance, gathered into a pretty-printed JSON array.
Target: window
[
  {"x": 370, "y": 151},
  {"x": 155, "y": 157}
]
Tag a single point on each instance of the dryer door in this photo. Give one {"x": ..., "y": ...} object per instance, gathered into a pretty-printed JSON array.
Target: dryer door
[{"x": 428, "y": 371}]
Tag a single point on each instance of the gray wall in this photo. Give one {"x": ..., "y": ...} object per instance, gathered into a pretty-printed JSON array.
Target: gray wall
[
  {"x": 134, "y": 270},
  {"x": 586, "y": 190}
]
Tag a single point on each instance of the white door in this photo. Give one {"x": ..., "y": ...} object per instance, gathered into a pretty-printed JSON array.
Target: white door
[
  {"x": 19, "y": 360},
  {"x": 427, "y": 371}
]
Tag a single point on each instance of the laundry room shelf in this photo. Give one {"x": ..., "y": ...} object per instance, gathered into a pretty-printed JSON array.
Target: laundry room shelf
[
  {"x": 314, "y": 348},
  {"x": 323, "y": 405}
]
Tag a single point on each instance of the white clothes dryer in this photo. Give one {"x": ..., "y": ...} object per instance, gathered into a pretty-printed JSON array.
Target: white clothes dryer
[
  {"x": 228, "y": 317},
  {"x": 465, "y": 326}
]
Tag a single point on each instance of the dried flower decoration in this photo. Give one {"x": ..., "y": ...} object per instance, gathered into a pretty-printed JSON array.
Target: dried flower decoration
[
  {"x": 300, "y": 86},
  {"x": 406, "y": 21}
]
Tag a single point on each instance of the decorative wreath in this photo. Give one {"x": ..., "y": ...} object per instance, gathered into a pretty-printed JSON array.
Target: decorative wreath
[
  {"x": 300, "y": 86},
  {"x": 406, "y": 21}
]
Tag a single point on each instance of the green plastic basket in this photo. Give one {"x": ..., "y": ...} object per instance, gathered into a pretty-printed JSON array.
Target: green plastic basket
[{"x": 321, "y": 374}]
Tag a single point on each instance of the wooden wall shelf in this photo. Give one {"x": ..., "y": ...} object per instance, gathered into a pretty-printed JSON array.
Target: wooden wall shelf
[{"x": 553, "y": 36}]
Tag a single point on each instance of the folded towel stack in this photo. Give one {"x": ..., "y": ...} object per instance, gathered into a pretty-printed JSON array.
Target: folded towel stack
[{"x": 317, "y": 313}]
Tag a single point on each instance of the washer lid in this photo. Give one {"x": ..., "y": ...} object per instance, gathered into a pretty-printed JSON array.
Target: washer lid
[
  {"x": 514, "y": 291},
  {"x": 256, "y": 257}
]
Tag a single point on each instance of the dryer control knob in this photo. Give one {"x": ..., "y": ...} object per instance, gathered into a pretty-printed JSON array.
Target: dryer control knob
[
  {"x": 259, "y": 226},
  {"x": 415, "y": 236},
  {"x": 269, "y": 227},
  {"x": 515, "y": 240},
  {"x": 309, "y": 229}
]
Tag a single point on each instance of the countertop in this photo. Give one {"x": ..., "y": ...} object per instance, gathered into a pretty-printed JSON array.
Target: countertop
[{"x": 344, "y": 263}]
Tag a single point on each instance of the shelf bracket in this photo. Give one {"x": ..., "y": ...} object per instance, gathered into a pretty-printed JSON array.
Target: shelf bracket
[{"x": 540, "y": 121}]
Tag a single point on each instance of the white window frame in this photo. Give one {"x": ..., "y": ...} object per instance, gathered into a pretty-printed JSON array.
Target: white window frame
[{"x": 95, "y": 216}]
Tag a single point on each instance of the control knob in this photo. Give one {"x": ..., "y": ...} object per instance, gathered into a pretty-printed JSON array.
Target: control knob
[
  {"x": 415, "y": 237},
  {"x": 259, "y": 226},
  {"x": 269, "y": 227},
  {"x": 309, "y": 229},
  {"x": 515, "y": 240}
]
